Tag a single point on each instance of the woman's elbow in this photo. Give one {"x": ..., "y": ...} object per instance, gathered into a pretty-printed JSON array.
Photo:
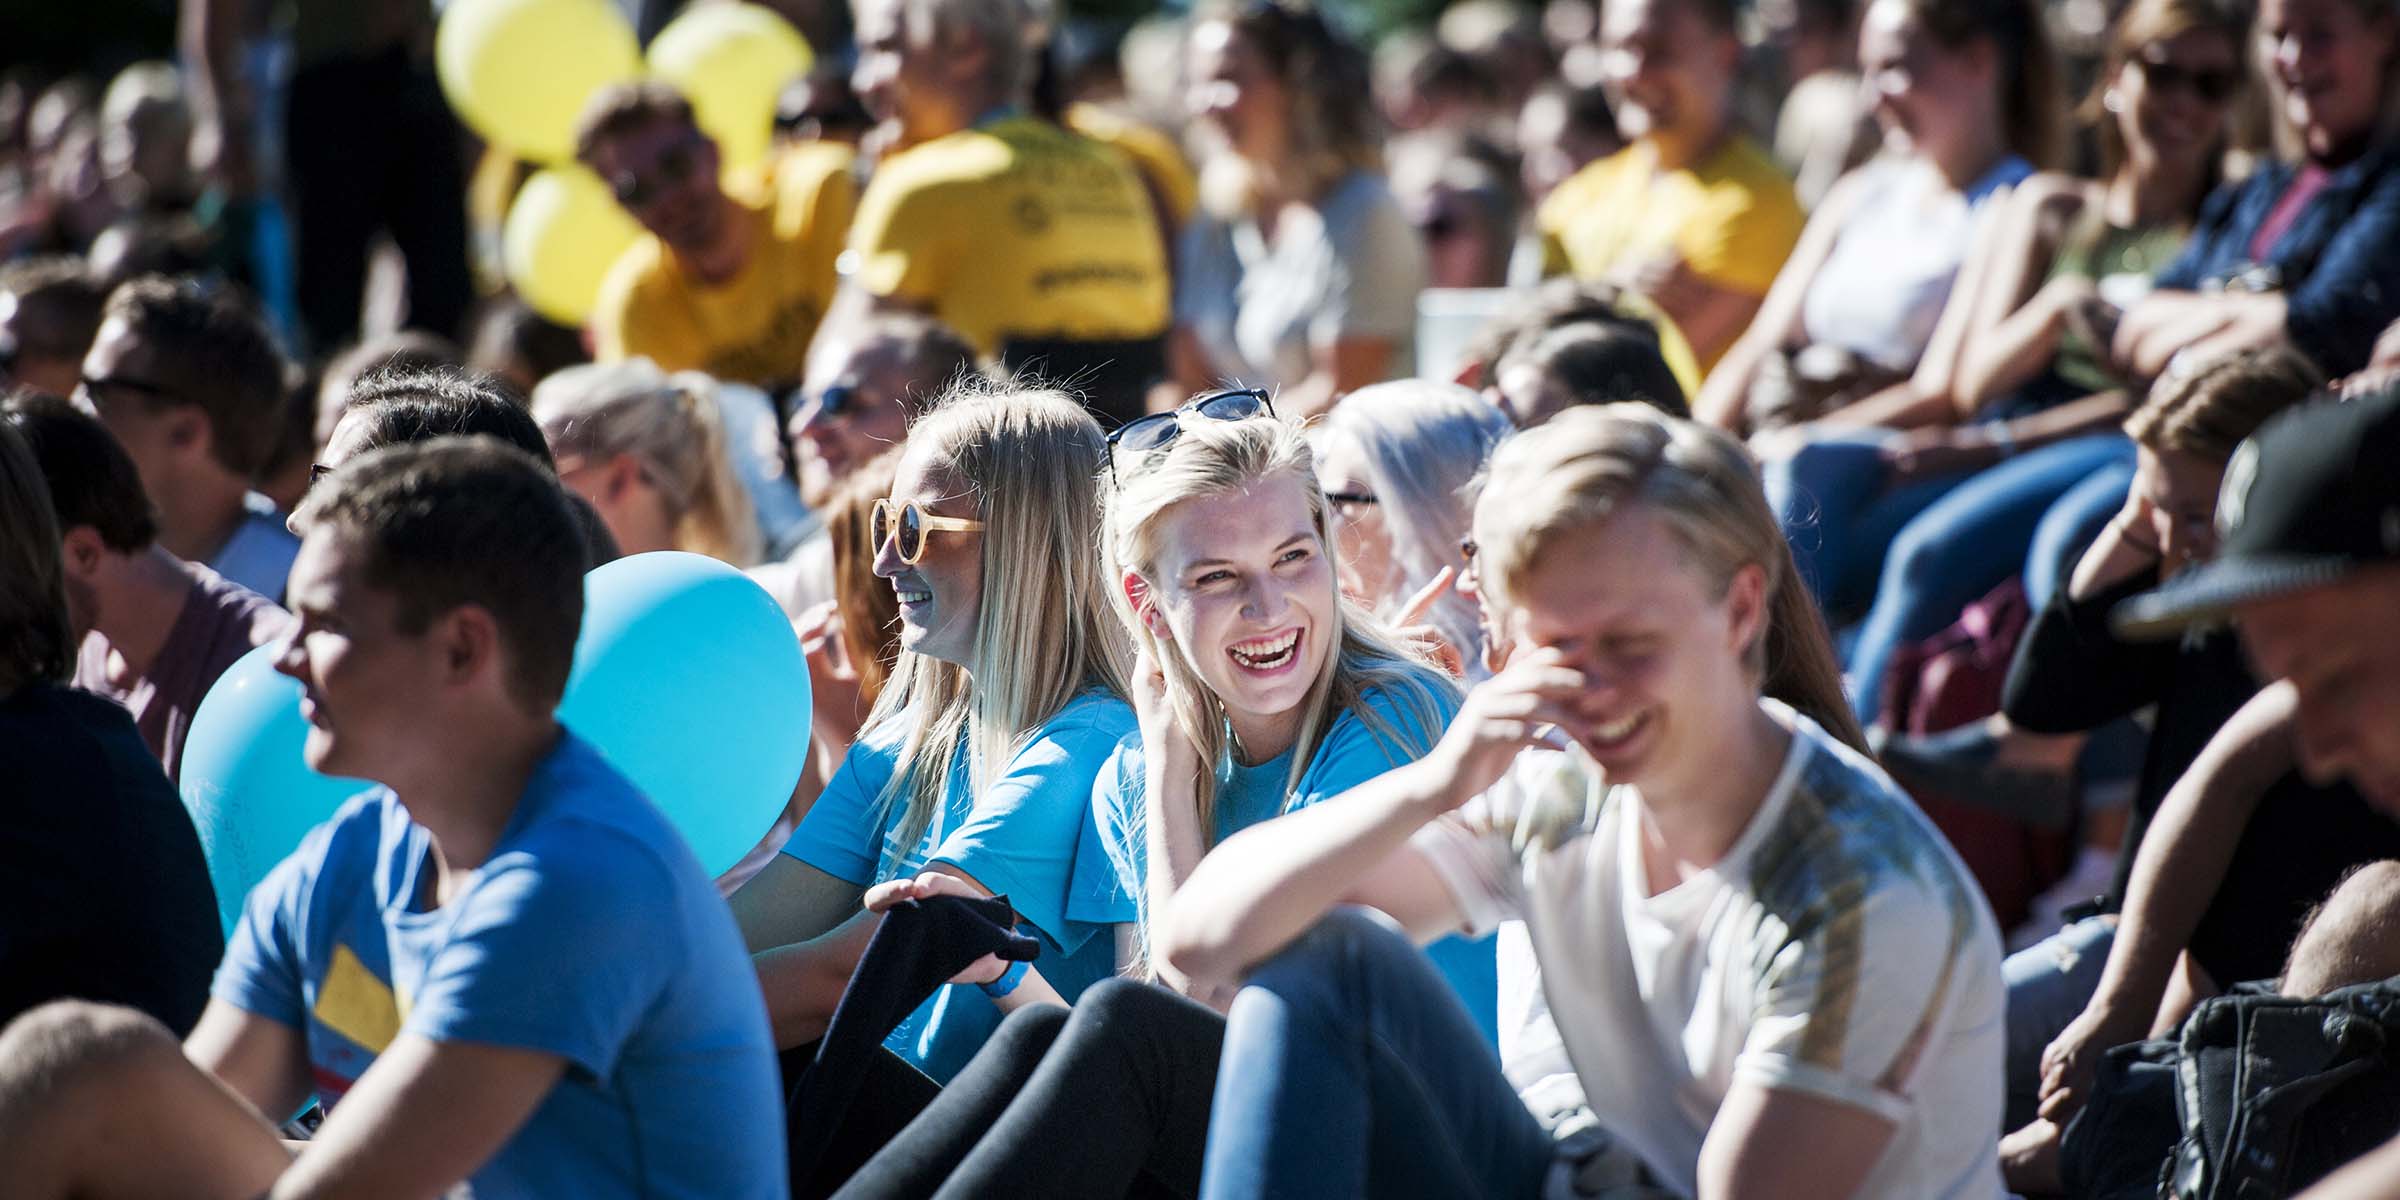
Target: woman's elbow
[{"x": 1196, "y": 947}]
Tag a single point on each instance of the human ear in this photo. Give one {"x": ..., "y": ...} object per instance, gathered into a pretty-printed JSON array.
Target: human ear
[
  {"x": 623, "y": 474},
  {"x": 469, "y": 641},
  {"x": 83, "y": 549},
  {"x": 1746, "y": 605},
  {"x": 1138, "y": 593},
  {"x": 188, "y": 430}
]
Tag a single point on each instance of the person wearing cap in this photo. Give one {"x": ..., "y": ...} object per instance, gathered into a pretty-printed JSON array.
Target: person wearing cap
[{"x": 2309, "y": 574}]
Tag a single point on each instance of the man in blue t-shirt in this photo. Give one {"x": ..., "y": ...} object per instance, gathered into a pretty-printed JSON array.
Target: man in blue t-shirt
[{"x": 501, "y": 969}]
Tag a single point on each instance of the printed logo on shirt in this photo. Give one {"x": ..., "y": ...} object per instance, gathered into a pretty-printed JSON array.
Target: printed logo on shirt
[{"x": 364, "y": 1011}]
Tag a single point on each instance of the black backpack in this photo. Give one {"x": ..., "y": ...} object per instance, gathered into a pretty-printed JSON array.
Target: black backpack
[{"x": 2257, "y": 1097}]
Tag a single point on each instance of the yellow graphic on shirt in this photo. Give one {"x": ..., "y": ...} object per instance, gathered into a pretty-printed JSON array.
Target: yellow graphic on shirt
[{"x": 352, "y": 1002}]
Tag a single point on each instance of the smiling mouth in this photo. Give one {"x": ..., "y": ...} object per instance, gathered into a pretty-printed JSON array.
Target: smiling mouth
[
  {"x": 1266, "y": 654},
  {"x": 909, "y": 596},
  {"x": 1615, "y": 734}
]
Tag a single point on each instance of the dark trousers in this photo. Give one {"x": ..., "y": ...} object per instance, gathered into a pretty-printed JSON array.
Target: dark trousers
[
  {"x": 1107, "y": 1100},
  {"x": 371, "y": 147}
]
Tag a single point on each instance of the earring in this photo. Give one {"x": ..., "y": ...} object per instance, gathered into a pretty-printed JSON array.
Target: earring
[{"x": 2112, "y": 100}]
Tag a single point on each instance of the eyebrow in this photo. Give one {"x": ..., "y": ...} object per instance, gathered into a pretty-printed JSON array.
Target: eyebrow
[{"x": 1280, "y": 547}]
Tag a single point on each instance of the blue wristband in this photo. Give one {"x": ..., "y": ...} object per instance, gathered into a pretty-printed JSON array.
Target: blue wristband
[{"x": 1008, "y": 981}]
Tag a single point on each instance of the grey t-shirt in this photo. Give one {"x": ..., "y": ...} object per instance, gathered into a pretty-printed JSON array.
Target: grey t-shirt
[{"x": 1262, "y": 309}]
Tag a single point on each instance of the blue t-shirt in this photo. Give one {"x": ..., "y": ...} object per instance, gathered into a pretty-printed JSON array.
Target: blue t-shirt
[
  {"x": 1113, "y": 861},
  {"x": 259, "y": 555},
  {"x": 1018, "y": 839},
  {"x": 590, "y": 933}
]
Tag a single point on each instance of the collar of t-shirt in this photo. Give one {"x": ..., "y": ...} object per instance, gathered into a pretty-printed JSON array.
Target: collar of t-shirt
[
  {"x": 2304, "y": 187},
  {"x": 1683, "y": 906}
]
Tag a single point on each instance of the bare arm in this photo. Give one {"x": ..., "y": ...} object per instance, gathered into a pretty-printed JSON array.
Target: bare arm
[
  {"x": 1266, "y": 885},
  {"x": 423, "y": 1118},
  {"x": 2373, "y": 1177},
  {"x": 263, "y": 1061},
  {"x": 2017, "y": 319},
  {"x": 1760, "y": 1135},
  {"x": 209, "y": 36},
  {"x": 1727, "y": 389},
  {"x": 2176, "y": 871}
]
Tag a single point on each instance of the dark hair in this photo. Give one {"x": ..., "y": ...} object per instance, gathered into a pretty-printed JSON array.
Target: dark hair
[
  {"x": 1563, "y": 300},
  {"x": 510, "y": 330},
  {"x": 2142, "y": 23},
  {"x": 92, "y": 480},
  {"x": 621, "y": 108},
  {"x": 2207, "y": 411},
  {"x": 402, "y": 406},
  {"x": 1332, "y": 119},
  {"x": 933, "y": 355},
  {"x": 58, "y": 305},
  {"x": 466, "y": 520},
  {"x": 217, "y": 356},
  {"x": 2031, "y": 113},
  {"x": 400, "y": 350},
  {"x": 1604, "y": 362},
  {"x": 37, "y": 641}
]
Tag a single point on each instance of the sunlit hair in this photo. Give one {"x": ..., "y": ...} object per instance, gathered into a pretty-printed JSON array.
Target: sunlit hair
[
  {"x": 1331, "y": 122},
  {"x": 2145, "y": 23},
  {"x": 870, "y": 612},
  {"x": 1422, "y": 442},
  {"x": 1044, "y": 633},
  {"x": 2207, "y": 411},
  {"x": 1220, "y": 458},
  {"x": 1548, "y": 489},
  {"x": 669, "y": 424},
  {"x": 37, "y": 643}
]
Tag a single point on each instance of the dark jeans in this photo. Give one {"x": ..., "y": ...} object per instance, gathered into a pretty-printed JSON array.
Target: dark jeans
[
  {"x": 1351, "y": 1069},
  {"x": 1106, "y": 1100},
  {"x": 371, "y": 147}
]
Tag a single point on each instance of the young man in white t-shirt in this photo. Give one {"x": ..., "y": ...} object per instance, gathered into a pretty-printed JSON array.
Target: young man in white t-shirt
[{"x": 1771, "y": 974}]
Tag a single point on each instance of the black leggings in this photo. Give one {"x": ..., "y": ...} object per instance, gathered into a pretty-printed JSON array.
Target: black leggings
[{"x": 1106, "y": 1100}]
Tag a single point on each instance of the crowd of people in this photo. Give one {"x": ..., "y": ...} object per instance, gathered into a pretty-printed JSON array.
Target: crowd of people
[{"x": 1868, "y": 671}]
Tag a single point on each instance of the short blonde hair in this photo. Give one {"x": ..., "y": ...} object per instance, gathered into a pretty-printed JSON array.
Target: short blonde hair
[{"x": 669, "y": 424}]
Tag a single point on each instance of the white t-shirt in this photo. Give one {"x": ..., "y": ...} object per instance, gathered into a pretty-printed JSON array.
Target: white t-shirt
[{"x": 1839, "y": 949}]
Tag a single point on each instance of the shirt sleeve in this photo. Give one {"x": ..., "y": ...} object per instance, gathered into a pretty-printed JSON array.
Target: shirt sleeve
[
  {"x": 1847, "y": 1006},
  {"x": 1380, "y": 268},
  {"x": 1356, "y": 750},
  {"x": 2335, "y": 314},
  {"x": 1019, "y": 835},
  {"x": 839, "y": 835},
  {"x": 1473, "y": 851},
  {"x": 261, "y": 971},
  {"x": 2191, "y": 267},
  {"x": 1111, "y": 857},
  {"x": 563, "y": 954}
]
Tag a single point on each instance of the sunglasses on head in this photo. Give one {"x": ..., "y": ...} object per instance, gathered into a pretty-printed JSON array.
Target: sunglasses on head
[
  {"x": 905, "y": 525},
  {"x": 675, "y": 165},
  {"x": 2214, "y": 86},
  {"x": 1156, "y": 431}
]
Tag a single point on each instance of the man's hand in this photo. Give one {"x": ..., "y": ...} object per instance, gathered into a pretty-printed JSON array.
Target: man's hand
[
  {"x": 2073, "y": 1058},
  {"x": 1519, "y": 707}
]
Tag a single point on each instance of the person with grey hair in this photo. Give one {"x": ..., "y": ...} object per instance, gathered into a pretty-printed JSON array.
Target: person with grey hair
[
  {"x": 1038, "y": 245},
  {"x": 1396, "y": 460}
]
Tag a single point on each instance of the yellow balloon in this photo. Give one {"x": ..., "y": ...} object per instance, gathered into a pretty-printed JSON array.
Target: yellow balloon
[
  {"x": 562, "y": 235},
  {"x": 731, "y": 61},
  {"x": 520, "y": 71}
]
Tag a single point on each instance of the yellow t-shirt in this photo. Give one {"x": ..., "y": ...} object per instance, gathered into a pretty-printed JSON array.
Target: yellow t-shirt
[
  {"x": 1154, "y": 154},
  {"x": 1732, "y": 218},
  {"x": 756, "y": 326},
  {"x": 1016, "y": 228}
]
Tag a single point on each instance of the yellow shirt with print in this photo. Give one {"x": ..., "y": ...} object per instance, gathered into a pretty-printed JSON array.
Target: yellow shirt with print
[
  {"x": 1016, "y": 228},
  {"x": 756, "y": 326},
  {"x": 1731, "y": 218},
  {"x": 1161, "y": 162}
]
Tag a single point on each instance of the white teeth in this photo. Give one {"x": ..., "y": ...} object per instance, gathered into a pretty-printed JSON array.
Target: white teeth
[
  {"x": 1266, "y": 655},
  {"x": 911, "y": 597},
  {"x": 1616, "y": 731}
]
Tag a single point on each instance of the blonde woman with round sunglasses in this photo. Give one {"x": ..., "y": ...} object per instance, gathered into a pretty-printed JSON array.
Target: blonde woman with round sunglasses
[{"x": 973, "y": 772}]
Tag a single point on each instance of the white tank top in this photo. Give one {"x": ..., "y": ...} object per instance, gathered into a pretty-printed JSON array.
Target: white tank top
[{"x": 1881, "y": 290}]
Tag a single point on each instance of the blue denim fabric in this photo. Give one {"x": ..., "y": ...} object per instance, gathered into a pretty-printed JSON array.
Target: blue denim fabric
[
  {"x": 1839, "y": 516},
  {"x": 2338, "y": 265},
  {"x": 2070, "y": 528},
  {"x": 2049, "y": 984},
  {"x": 1350, "y": 1069},
  {"x": 1961, "y": 547}
]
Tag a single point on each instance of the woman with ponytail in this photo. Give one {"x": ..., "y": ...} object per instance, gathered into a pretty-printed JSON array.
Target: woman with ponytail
[
  {"x": 648, "y": 450},
  {"x": 1770, "y": 973}
]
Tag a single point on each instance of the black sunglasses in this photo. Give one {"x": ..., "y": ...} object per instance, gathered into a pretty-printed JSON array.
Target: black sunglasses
[
  {"x": 2213, "y": 86},
  {"x": 1158, "y": 430},
  {"x": 675, "y": 164}
]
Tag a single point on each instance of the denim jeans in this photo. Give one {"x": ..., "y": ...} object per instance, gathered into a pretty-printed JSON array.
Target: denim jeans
[
  {"x": 2070, "y": 527},
  {"x": 1351, "y": 1069},
  {"x": 1924, "y": 550},
  {"x": 2049, "y": 984}
]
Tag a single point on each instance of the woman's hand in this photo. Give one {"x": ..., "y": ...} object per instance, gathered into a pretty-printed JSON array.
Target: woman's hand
[
  {"x": 1163, "y": 738},
  {"x": 833, "y": 682},
  {"x": 1536, "y": 698},
  {"x": 883, "y": 896}
]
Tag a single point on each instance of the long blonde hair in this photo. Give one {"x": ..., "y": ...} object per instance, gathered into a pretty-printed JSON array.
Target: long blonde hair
[
  {"x": 669, "y": 424},
  {"x": 1548, "y": 488},
  {"x": 1217, "y": 458},
  {"x": 1044, "y": 635}
]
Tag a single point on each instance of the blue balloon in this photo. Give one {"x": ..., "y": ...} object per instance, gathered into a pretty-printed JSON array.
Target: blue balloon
[
  {"x": 251, "y": 793},
  {"x": 689, "y": 678}
]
